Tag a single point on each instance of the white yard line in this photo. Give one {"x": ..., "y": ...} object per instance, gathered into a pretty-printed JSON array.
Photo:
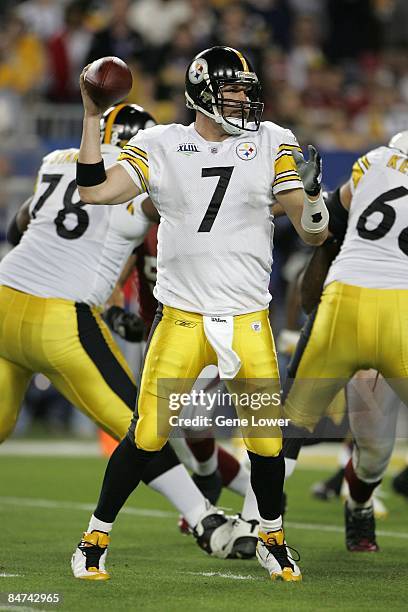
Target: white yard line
[
  {"x": 61, "y": 505},
  {"x": 223, "y": 575},
  {"x": 29, "y": 502},
  {"x": 338, "y": 529},
  {"x": 54, "y": 448},
  {"x": 2, "y": 575}
]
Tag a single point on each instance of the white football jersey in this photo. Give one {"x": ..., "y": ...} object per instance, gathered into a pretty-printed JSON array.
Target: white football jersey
[
  {"x": 70, "y": 250},
  {"x": 214, "y": 198},
  {"x": 374, "y": 253}
]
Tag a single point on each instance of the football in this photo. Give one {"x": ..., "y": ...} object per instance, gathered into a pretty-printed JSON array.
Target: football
[{"x": 108, "y": 80}]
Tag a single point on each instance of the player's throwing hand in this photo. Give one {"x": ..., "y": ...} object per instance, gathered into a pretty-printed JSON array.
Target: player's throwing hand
[{"x": 90, "y": 108}]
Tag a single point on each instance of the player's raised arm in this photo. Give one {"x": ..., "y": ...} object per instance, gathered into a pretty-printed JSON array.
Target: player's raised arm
[
  {"x": 305, "y": 207},
  {"x": 95, "y": 184}
]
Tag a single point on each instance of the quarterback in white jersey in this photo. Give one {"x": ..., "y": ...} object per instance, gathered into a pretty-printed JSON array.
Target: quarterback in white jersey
[
  {"x": 360, "y": 324},
  {"x": 216, "y": 230},
  {"x": 213, "y": 184},
  {"x": 52, "y": 287}
]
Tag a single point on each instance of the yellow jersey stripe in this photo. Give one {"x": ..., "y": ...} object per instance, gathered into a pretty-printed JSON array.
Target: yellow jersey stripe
[
  {"x": 287, "y": 179},
  {"x": 143, "y": 183},
  {"x": 365, "y": 162},
  {"x": 135, "y": 166},
  {"x": 356, "y": 173},
  {"x": 138, "y": 157},
  {"x": 136, "y": 150},
  {"x": 286, "y": 173},
  {"x": 289, "y": 146},
  {"x": 109, "y": 124},
  {"x": 143, "y": 167},
  {"x": 362, "y": 166},
  {"x": 285, "y": 163},
  {"x": 282, "y": 154}
]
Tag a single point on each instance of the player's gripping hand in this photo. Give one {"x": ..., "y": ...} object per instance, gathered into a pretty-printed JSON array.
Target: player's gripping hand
[
  {"x": 126, "y": 324},
  {"x": 90, "y": 108},
  {"x": 310, "y": 171}
]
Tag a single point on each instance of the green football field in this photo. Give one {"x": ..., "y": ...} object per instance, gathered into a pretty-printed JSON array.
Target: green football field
[{"x": 45, "y": 503}]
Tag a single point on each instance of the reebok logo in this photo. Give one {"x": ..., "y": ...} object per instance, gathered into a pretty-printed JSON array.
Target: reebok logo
[{"x": 188, "y": 324}]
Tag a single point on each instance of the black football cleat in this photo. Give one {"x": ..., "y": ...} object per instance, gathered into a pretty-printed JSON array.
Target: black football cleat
[{"x": 360, "y": 529}]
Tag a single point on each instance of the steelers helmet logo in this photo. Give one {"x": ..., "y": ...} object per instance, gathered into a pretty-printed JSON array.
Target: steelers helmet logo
[
  {"x": 197, "y": 71},
  {"x": 246, "y": 150}
]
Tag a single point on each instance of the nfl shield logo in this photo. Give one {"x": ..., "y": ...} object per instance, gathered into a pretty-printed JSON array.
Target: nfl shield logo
[{"x": 256, "y": 326}]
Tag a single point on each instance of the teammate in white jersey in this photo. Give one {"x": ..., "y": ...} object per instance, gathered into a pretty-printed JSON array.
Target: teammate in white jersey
[
  {"x": 213, "y": 184},
  {"x": 52, "y": 287},
  {"x": 360, "y": 324}
]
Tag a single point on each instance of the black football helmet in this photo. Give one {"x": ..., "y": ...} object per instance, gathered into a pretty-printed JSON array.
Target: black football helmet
[
  {"x": 206, "y": 75},
  {"x": 123, "y": 121}
]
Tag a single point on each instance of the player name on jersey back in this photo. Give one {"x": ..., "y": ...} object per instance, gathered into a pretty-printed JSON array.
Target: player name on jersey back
[{"x": 374, "y": 253}]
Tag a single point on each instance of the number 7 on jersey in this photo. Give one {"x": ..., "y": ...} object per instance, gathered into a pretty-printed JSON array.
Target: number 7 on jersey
[{"x": 212, "y": 211}]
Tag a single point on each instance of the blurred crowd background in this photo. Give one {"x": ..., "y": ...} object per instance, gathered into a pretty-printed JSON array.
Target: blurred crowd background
[{"x": 333, "y": 71}]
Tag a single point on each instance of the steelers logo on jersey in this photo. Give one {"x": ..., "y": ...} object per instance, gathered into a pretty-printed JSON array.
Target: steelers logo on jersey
[
  {"x": 246, "y": 150},
  {"x": 197, "y": 71}
]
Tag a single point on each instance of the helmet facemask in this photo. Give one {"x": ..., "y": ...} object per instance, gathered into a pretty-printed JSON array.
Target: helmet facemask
[{"x": 237, "y": 116}]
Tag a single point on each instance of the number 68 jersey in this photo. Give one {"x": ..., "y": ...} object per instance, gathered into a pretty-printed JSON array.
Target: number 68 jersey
[
  {"x": 71, "y": 250},
  {"x": 215, "y": 235},
  {"x": 374, "y": 253}
]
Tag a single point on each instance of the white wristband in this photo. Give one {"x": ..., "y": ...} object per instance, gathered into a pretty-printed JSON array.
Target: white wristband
[{"x": 315, "y": 216}]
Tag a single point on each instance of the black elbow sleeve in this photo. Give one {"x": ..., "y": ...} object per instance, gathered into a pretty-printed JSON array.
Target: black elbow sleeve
[
  {"x": 338, "y": 215},
  {"x": 89, "y": 175},
  {"x": 13, "y": 233}
]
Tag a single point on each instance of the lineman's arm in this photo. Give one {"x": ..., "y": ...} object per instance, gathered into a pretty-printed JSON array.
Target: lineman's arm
[
  {"x": 315, "y": 274},
  {"x": 117, "y": 297},
  {"x": 338, "y": 204},
  {"x": 19, "y": 223},
  {"x": 128, "y": 325},
  {"x": 150, "y": 210},
  {"x": 95, "y": 185}
]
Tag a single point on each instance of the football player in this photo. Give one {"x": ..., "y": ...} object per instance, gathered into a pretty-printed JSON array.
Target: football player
[
  {"x": 52, "y": 287},
  {"x": 213, "y": 466},
  {"x": 359, "y": 325},
  {"x": 213, "y": 183}
]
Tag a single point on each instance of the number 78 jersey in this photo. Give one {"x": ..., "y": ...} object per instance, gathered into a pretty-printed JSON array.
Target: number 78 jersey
[
  {"x": 72, "y": 250},
  {"x": 374, "y": 253},
  {"x": 215, "y": 235}
]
